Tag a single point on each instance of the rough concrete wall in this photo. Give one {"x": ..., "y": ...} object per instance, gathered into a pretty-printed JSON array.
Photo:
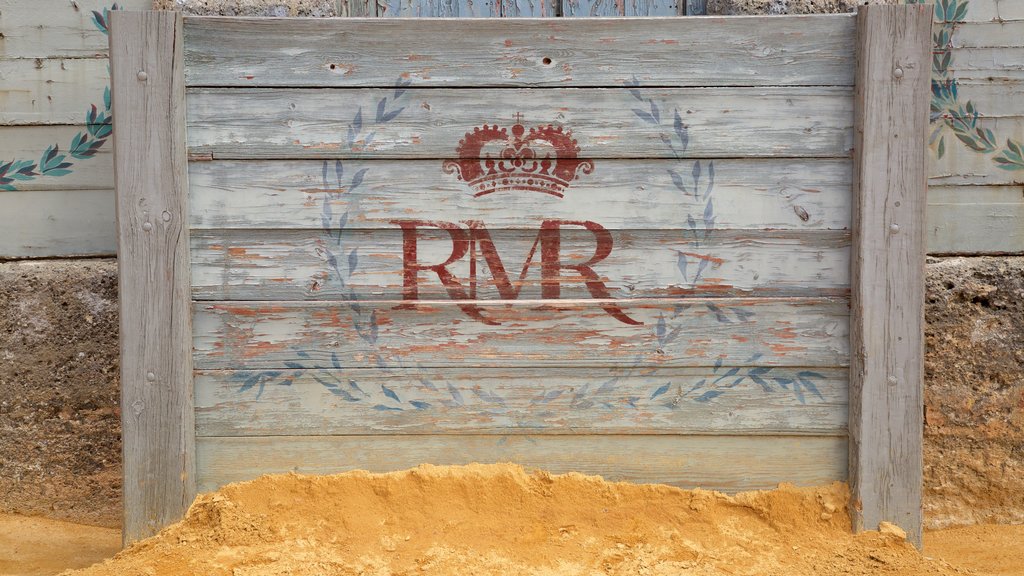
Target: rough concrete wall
[
  {"x": 974, "y": 391},
  {"x": 737, "y": 7},
  {"x": 60, "y": 428},
  {"x": 278, "y": 8}
]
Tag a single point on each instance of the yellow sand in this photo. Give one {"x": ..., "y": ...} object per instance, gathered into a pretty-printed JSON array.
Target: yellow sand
[{"x": 499, "y": 519}]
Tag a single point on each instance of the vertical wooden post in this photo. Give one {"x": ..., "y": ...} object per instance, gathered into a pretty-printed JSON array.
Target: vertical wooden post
[
  {"x": 158, "y": 432},
  {"x": 355, "y": 8},
  {"x": 694, "y": 7},
  {"x": 887, "y": 338}
]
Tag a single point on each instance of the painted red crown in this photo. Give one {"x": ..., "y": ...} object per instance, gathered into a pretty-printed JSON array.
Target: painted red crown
[{"x": 545, "y": 160}]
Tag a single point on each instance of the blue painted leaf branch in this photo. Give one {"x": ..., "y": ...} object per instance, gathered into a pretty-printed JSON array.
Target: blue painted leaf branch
[
  {"x": 330, "y": 246},
  {"x": 84, "y": 145},
  {"x": 948, "y": 112}
]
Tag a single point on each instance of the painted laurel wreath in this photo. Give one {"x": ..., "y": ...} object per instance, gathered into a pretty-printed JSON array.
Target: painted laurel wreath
[
  {"x": 84, "y": 145},
  {"x": 343, "y": 261}
]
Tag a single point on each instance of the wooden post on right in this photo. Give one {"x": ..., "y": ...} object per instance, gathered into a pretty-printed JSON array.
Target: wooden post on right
[{"x": 887, "y": 332}]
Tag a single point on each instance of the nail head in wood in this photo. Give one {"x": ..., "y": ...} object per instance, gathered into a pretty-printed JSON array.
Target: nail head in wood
[
  {"x": 898, "y": 72},
  {"x": 894, "y": 228},
  {"x": 143, "y": 76},
  {"x": 150, "y": 376},
  {"x": 147, "y": 226}
]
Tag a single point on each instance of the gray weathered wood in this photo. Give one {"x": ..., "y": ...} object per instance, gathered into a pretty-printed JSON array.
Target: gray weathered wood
[
  {"x": 30, "y": 142},
  {"x": 294, "y": 265},
  {"x": 523, "y": 401},
  {"x": 55, "y": 28},
  {"x": 46, "y": 223},
  {"x": 529, "y": 8},
  {"x": 606, "y": 123},
  {"x": 975, "y": 219},
  {"x": 356, "y": 8},
  {"x": 748, "y": 194},
  {"x": 438, "y": 8},
  {"x": 726, "y": 463},
  {"x": 592, "y": 8},
  {"x": 696, "y": 7},
  {"x": 48, "y": 91},
  {"x": 691, "y": 332},
  {"x": 793, "y": 50},
  {"x": 995, "y": 10},
  {"x": 152, "y": 189},
  {"x": 887, "y": 323}
]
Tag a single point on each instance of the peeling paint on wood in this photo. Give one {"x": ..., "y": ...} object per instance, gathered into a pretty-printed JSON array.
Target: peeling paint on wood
[
  {"x": 523, "y": 401},
  {"x": 694, "y": 332},
  {"x": 248, "y": 265},
  {"x": 732, "y": 122},
  {"x": 726, "y": 463},
  {"x": 793, "y": 50},
  {"x": 640, "y": 194}
]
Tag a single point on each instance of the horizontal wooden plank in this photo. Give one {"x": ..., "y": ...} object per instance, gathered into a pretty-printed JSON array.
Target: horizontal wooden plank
[
  {"x": 725, "y": 463},
  {"x": 988, "y": 10},
  {"x": 735, "y": 51},
  {"x": 51, "y": 91},
  {"x": 692, "y": 332},
  {"x": 963, "y": 166},
  {"x": 55, "y": 28},
  {"x": 605, "y": 122},
  {"x": 592, "y": 8},
  {"x": 975, "y": 219},
  {"x": 751, "y": 400},
  {"x": 528, "y": 8},
  {"x": 989, "y": 35},
  {"x": 992, "y": 99},
  {"x": 46, "y": 223},
  {"x": 988, "y": 63},
  {"x": 297, "y": 265},
  {"x": 31, "y": 142},
  {"x": 620, "y": 194},
  {"x": 438, "y": 9}
]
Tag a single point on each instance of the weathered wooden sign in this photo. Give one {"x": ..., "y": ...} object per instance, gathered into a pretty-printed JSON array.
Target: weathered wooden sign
[{"x": 618, "y": 247}]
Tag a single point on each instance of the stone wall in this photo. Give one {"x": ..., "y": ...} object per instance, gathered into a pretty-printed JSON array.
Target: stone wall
[
  {"x": 60, "y": 427},
  {"x": 738, "y": 7},
  {"x": 974, "y": 391}
]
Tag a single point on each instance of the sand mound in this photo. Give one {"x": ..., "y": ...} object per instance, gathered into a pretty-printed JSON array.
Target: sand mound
[{"x": 499, "y": 519}]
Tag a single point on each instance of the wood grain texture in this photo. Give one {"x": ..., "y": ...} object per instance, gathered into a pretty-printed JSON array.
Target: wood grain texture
[
  {"x": 987, "y": 35},
  {"x": 793, "y": 50},
  {"x": 529, "y": 8},
  {"x": 640, "y": 194},
  {"x": 55, "y": 28},
  {"x": 696, "y": 7},
  {"x": 43, "y": 91},
  {"x": 994, "y": 10},
  {"x": 962, "y": 166},
  {"x": 152, "y": 191},
  {"x": 975, "y": 219},
  {"x": 723, "y": 122},
  {"x": 887, "y": 331},
  {"x": 29, "y": 142},
  {"x": 356, "y": 8},
  {"x": 692, "y": 332},
  {"x": 726, "y": 463},
  {"x": 295, "y": 265},
  {"x": 522, "y": 401},
  {"x": 439, "y": 9},
  {"x": 652, "y": 7},
  {"x": 44, "y": 223},
  {"x": 592, "y": 8}
]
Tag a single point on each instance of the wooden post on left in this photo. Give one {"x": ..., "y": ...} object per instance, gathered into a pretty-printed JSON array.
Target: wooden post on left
[{"x": 158, "y": 431}]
